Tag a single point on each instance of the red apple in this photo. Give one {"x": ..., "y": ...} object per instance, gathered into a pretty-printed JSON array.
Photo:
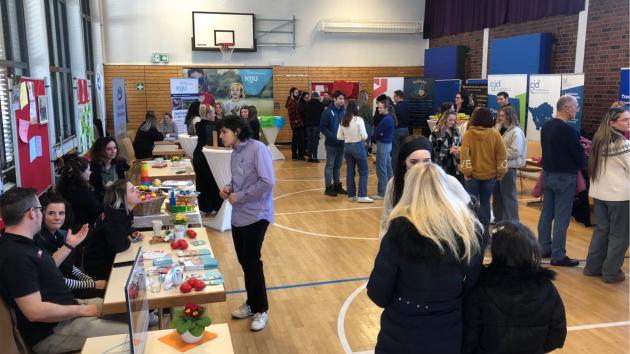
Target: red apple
[
  {"x": 192, "y": 282},
  {"x": 199, "y": 285},
  {"x": 191, "y": 233},
  {"x": 182, "y": 244},
  {"x": 185, "y": 288},
  {"x": 175, "y": 245}
]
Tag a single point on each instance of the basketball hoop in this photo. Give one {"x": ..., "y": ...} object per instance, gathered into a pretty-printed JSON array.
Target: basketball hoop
[{"x": 226, "y": 50}]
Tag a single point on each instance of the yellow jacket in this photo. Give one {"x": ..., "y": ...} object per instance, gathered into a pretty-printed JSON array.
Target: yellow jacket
[{"x": 483, "y": 155}]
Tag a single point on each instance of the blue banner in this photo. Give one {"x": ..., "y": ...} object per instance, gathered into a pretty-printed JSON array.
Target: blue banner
[
  {"x": 445, "y": 90},
  {"x": 624, "y": 87},
  {"x": 255, "y": 80}
]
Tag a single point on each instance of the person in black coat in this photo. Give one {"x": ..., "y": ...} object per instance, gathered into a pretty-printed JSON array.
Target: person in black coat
[
  {"x": 74, "y": 187},
  {"x": 106, "y": 166},
  {"x": 148, "y": 133},
  {"x": 515, "y": 308},
  {"x": 113, "y": 231},
  {"x": 312, "y": 113},
  {"x": 426, "y": 262},
  {"x": 209, "y": 200}
]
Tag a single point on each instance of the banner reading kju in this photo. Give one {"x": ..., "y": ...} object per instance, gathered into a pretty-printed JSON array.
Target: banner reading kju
[
  {"x": 183, "y": 93},
  {"x": 544, "y": 92},
  {"x": 516, "y": 88}
]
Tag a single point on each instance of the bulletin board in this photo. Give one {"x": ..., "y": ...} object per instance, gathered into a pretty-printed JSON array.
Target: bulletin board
[
  {"x": 30, "y": 134},
  {"x": 349, "y": 88}
]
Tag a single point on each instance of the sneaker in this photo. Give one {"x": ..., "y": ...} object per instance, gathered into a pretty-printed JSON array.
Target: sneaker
[
  {"x": 352, "y": 199},
  {"x": 376, "y": 197},
  {"x": 591, "y": 274},
  {"x": 365, "y": 200},
  {"x": 259, "y": 321},
  {"x": 565, "y": 262},
  {"x": 331, "y": 191},
  {"x": 243, "y": 311},
  {"x": 621, "y": 276},
  {"x": 339, "y": 188}
]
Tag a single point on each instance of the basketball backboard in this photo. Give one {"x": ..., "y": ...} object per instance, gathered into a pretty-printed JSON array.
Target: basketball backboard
[{"x": 212, "y": 28}]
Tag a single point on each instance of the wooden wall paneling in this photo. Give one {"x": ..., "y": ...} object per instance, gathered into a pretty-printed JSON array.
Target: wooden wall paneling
[
  {"x": 158, "y": 87},
  {"x": 285, "y": 77}
]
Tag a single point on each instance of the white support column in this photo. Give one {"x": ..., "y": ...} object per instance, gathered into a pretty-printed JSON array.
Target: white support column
[
  {"x": 484, "y": 55},
  {"x": 75, "y": 39},
  {"x": 99, "y": 58},
  {"x": 580, "y": 44}
]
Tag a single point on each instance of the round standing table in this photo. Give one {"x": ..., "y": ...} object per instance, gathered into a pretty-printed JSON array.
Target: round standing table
[
  {"x": 188, "y": 143},
  {"x": 219, "y": 162}
]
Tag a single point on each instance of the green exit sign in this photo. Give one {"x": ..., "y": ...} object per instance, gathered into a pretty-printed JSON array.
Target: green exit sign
[{"x": 161, "y": 58}]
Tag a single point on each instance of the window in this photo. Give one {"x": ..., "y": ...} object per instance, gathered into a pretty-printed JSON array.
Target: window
[
  {"x": 86, "y": 22},
  {"x": 13, "y": 62},
  {"x": 60, "y": 72}
]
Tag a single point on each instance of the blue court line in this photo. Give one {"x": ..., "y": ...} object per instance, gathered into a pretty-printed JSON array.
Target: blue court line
[{"x": 230, "y": 292}]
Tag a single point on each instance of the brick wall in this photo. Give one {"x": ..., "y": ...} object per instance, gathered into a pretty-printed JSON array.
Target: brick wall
[{"x": 605, "y": 53}]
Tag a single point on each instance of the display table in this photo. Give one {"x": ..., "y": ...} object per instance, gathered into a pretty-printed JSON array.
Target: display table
[
  {"x": 144, "y": 221},
  {"x": 271, "y": 134},
  {"x": 167, "y": 150},
  {"x": 170, "y": 171},
  {"x": 188, "y": 144},
  {"x": 130, "y": 254},
  {"x": 219, "y": 162},
  {"x": 222, "y": 344}
]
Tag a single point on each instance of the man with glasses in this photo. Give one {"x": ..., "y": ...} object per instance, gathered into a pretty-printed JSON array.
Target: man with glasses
[{"x": 49, "y": 318}]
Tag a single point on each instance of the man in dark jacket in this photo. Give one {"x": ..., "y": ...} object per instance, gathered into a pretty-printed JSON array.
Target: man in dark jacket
[
  {"x": 402, "y": 116},
  {"x": 312, "y": 114},
  {"x": 328, "y": 125}
]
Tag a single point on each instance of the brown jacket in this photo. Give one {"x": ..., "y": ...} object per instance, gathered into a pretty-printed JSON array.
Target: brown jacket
[{"x": 483, "y": 155}]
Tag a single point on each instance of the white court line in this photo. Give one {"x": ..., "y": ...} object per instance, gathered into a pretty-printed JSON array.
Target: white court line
[
  {"x": 341, "y": 330},
  {"x": 598, "y": 325},
  {"x": 324, "y": 235},
  {"x": 302, "y": 191},
  {"x": 325, "y": 210}
]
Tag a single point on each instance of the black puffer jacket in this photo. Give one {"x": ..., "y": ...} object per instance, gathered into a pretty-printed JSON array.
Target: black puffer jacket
[
  {"x": 421, "y": 290},
  {"x": 514, "y": 311},
  {"x": 312, "y": 113}
]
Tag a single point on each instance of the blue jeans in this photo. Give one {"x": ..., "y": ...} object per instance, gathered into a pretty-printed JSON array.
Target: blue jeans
[
  {"x": 356, "y": 156},
  {"x": 505, "y": 198},
  {"x": 482, "y": 190},
  {"x": 399, "y": 135},
  {"x": 368, "y": 130},
  {"x": 384, "y": 169},
  {"x": 558, "y": 193},
  {"x": 313, "y": 141},
  {"x": 334, "y": 157}
]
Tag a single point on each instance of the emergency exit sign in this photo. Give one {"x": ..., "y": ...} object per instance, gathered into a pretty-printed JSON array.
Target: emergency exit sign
[{"x": 160, "y": 58}]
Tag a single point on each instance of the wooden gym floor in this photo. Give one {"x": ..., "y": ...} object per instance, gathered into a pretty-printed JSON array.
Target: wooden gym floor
[{"x": 319, "y": 253}]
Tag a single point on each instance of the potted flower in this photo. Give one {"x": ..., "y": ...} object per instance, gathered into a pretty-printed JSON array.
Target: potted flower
[
  {"x": 181, "y": 225},
  {"x": 190, "y": 324}
]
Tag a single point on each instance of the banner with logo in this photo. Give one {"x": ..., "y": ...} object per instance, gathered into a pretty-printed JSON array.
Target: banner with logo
[
  {"x": 624, "y": 87},
  {"x": 100, "y": 96},
  {"x": 420, "y": 93},
  {"x": 386, "y": 86},
  {"x": 183, "y": 93},
  {"x": 573, "y": 84},
  {"x": 477, "y": 93},
  {"x": 120, "y": 108},
  {"x": 515, "y": 86},
  {"x": 544, "y": 92},
  {"x": 235, "y": 88}
]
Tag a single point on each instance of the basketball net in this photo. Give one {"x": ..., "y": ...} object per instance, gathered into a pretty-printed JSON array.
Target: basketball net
[{"x": 226, "y": 50}]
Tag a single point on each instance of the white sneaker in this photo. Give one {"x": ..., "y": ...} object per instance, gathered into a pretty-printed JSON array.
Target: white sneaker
[
  {"x": 365, "y": 200},
  {"x": 352, "y": 199},
  {"x": 377, "y": 197},
  {"x": 259, "y": 321},
  {"x": 243, "y": 311}
]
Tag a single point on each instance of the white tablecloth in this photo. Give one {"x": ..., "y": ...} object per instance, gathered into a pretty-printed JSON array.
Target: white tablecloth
[
  {"x": 271, "y": 134},
  {"x": 219, "y": 162},
  {"x": 188, "y": 143}
]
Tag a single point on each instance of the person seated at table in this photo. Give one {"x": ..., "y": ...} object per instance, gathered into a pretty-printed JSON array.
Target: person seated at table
[
  {"x": 49, "y": 318},
  {"x": 113, "y": 231},
  {"x": 53, "y": 238},
  {"x": 168, "y": 126},
  {"x": 148, "y": 133},
  {"x": 74, "y": 186},
  {"x": 106, "y": 166},
  {"x": 445, "y": 139},
  {"x": 209, "y": 200}
]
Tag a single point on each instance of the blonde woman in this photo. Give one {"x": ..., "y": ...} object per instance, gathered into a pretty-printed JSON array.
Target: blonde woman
[
  {"x": 148, "y": 133},
  {"x": 430, "y": 255},
  {"x": 504, "y": 196},
  {"x": 609, "y": 168},
  {"x": 446, "y": 139}
]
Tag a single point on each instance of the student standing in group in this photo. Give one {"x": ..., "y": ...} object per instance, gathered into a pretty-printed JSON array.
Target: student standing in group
[
  {"x": 297, "y": 124},
  {"x": 383, "y": 134},
  {"x": 74, "y": 186},
  {"x": 107, "y": 167},
  {"x": 352, "y": 132},
  {"x": 562, "y": 157},
  {"x": 609, "y": 169},
  {"x": 329, "y": 125},
  {"x": 446, "y": 140},
  {"x": 312, "y": 114},
  {"x": 482, "y": 160},
  {"x": 504, "y": 196},
  {"x": 250, "y": 192},
  {"x": 365, "y": 112},
  {"x": 148, "y": 133},
  {"x": 462, "y": 104},
  {"x": 168, "y": 126},
  {"x": 401, "y": 130},
  {"x": 250, "y": 114},
  {"x": 515, "y": 308},
  {"x": 430, "y": 256}
]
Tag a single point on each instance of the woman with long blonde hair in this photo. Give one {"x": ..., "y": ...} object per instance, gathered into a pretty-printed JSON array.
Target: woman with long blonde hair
[
  {"x": 609, "y": 168},
  {"x": 430, "y": 255}
]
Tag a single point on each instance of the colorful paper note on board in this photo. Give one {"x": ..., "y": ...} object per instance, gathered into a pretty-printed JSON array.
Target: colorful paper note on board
[
  {"x": 23, "y": 95},
  {"x": 23, "y": 130},
  {"x": 32, "y": 150}
]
